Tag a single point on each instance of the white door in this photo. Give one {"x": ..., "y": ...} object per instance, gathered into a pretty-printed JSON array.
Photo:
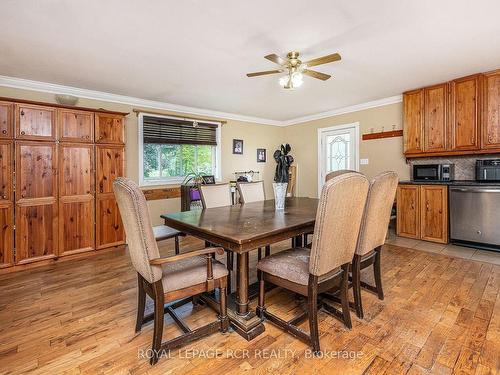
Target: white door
[{"x": 338, "y": 149}]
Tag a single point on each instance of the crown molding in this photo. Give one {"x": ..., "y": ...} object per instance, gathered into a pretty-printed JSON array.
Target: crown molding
[
  {"x": 344, "y": 110},
  {"x": 25, "y": 84}
]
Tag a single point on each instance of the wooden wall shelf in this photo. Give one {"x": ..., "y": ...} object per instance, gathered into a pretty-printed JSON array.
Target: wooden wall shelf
[
  {"x": 380, "y": 135},
  {"x": 162, "y": 193}
]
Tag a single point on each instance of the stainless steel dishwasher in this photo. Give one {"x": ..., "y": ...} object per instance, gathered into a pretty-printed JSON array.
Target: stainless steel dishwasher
[{"x": 475, "y": 216}]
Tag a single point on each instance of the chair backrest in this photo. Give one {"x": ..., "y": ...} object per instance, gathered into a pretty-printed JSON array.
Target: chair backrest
[
  {"x": 215, "y": 195},
  {"x": 338, "y": 220},
  {"x": 377, "y": 212},
  {"x": 340, "y": 172},
  {"x": 251, "y": 191},
  {"x": 137, "y": 223}
]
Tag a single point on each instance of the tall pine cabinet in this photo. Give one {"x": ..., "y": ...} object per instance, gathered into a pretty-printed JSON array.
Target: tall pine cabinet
[{"x": 57, "y": 166}]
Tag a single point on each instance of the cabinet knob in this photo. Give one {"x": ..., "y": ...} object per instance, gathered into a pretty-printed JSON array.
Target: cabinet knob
[
  {"x": 4, "y": 197},
  {"x": 22, "y": 112},
  {"x": 23, "y": 132}
]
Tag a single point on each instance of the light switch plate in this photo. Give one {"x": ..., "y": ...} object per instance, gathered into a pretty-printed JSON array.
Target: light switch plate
[{"x": 364, "y": 161}]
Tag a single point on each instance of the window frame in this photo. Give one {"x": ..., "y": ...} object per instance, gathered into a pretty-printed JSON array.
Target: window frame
[{"x": 173, "y": 180}]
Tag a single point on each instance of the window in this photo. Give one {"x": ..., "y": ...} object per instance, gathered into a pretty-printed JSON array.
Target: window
[{"x": 170, "y": 148}]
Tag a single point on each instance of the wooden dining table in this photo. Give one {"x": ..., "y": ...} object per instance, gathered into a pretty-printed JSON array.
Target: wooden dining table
[{"x": 240, "y": 229}]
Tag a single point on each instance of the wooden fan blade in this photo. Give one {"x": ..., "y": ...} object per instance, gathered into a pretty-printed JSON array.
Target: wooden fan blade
[
  {"x": 315, "y": 74},
  {"x": 323, "y": 60},
  {"x": 276, "y": 59},
  {"x": 256, "y": 74}
]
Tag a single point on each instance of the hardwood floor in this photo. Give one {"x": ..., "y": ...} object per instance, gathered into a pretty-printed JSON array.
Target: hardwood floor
[{"x": 440, "y": 315}]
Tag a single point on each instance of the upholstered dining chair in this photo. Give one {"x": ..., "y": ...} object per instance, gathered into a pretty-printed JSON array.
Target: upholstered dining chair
[
  {"x": 253, "y": 192},
  {"x": 217, "y": 195},
  {"x": 328, "y": 177},
  {"x": 171, "y": 280},
  {"x": 372, "y": 235},
  {"x": 326, "y": 266}
]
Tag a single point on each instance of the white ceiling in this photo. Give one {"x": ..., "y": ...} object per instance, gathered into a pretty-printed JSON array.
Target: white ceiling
[{"x": 196, "y": 53}]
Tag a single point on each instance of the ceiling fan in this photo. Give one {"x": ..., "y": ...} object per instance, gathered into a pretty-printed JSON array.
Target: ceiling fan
[{"x": 295, "y": 69}]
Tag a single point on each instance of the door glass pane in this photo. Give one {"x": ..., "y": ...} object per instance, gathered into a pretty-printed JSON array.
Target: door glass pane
[{"x": 337, "y": 152}]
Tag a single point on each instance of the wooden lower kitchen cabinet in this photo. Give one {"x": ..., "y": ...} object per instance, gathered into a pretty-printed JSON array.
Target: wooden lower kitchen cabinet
[
  {"x": 109, "y": 228},
  {"x": 6, "y": 234},
  {"x": 422, "y": 212}
]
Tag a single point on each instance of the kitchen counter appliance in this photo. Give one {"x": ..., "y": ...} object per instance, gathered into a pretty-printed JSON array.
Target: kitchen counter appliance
[
  {"x": 433, "y": 172},
  {"x": 475, "y": 216},
  {"x": 488, "y": 170}
]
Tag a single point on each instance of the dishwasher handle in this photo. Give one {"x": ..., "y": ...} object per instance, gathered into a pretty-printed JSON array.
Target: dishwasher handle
[{"x": 475, "y": 190}]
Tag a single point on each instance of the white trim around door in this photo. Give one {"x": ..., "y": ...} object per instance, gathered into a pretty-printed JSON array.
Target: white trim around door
[{"x": 351, "y": 129}]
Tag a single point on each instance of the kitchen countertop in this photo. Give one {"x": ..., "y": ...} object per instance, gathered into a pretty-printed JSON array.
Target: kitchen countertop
[{"x": 452, "y": 183}]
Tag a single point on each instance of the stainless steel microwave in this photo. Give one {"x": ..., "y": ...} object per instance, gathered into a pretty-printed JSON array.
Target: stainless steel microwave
[{"x": 433, "y": 172}]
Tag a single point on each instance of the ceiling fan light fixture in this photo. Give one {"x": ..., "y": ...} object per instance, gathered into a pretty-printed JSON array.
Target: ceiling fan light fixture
[{"x": 291, "y": 80}]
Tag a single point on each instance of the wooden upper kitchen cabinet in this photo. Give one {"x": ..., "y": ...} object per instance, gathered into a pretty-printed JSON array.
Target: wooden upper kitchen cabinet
[
  {"x": 436, "y": 118},
  {"x": 491, "y": 110},
  {"x": 465, "y": 113},
  {"x": 76, "y": 198},
  {"x": 413, "y": 102},
  {"x": 434, "y": 213},
  {"x": 6, "y": 119},
  {"x": 75, "y": 125},
  {"x": 36, "y": 201},
  {"x": 109, "y": 128},
  {"x": 408, "y": 211},
  {"x": 35, "y": 122}
]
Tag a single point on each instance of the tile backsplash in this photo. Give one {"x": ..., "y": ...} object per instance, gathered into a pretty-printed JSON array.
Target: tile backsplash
[{"x": 465, "y": 166}]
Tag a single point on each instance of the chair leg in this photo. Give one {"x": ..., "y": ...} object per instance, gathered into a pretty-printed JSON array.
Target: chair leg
[
  {"x": 268, "y": 250},
  {"x": 176, "y": 239},
  {"x": 312, "y": 303},
  {"x": 224, "y": 321},
  {"x": 356, "y": 285},
  {"x": 378, "y": 274},
  {"x": 259, "y": 254},
  {"x": 141, "y": 303},
  {"x": 262, "y": 293},
  {"x": 158, "y": 321},
  {"x": 344, "y": 296}
]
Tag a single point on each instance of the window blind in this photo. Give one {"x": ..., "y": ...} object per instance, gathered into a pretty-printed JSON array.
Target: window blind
[{"x": 178, "y": 131}]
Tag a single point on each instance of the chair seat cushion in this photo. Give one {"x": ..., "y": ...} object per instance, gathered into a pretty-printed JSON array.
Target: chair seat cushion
[
  {"x": 188, "y": 272},
  {"x": 291, "y": 264},
  {"x": 162, "y": 232}
]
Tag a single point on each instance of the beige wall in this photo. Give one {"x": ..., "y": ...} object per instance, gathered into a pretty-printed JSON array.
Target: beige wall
[
  {"x": 383, "y": 154},
  {"x": 254, "y": 136}
]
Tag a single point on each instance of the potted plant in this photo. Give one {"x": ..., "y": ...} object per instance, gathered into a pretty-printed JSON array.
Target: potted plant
[
  {"x": 196, "y": 179},
  {"x": 281, "y": 176}
]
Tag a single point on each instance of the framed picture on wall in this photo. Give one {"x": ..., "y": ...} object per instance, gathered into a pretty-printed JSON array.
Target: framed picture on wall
[
  {"x": 261, "y": 155},
  {"x": 208, "y": 180},
  {"x": 238, "y": 146}
]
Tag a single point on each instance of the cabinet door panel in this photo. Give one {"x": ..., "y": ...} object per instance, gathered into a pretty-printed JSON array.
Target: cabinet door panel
[
  {"x": 35, "y": 122},
  {"x": 110, "y": 164},
  {"x": 408, "y": 211},
  {"x": 6, "y": 119},
  {"x": 6, "y": 176},
  {"x": 465, "y": 113},
  {"x": 491, "y": 113},
  {"x": 413, "y": 121},
  {"x": 36, "y": 168},
  {"x": 109, "y": 128},
  {"x": 109, "y": 226},
  {"x": 434, "y": 213},
  {"x": 6, "y": 234},
  {"x": 76, "y": 126},
  {"x": 36, "y": 231},
  {"x": 76, "y": 225},
  {"x": 435, "y": 117},
  {"x": 76, "y": 169}
]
